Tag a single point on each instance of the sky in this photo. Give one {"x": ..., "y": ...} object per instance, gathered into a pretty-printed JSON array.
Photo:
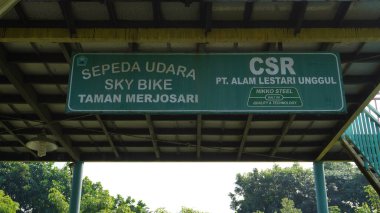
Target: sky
[{"x": 201, "y": 186}]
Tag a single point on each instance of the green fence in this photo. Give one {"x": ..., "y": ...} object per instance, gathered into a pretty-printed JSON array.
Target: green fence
[{"x": 364, "y": 133}]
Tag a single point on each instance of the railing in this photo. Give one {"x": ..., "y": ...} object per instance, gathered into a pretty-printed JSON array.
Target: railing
[{"x": 364, "y": 133}]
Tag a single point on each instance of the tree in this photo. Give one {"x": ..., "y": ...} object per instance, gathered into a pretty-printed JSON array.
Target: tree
[
  {"x": 190, "y": 210},
  {"x": 7, "y": 205},
  {"x": 58, "y": 200},
  {"x": 95, "y": 198},
  {"x": 264, "y": 190},
  {"x": 29, "y": 184},
  {"x": 14, "y": 179},
  {"x": 288, "y": 206},
  {"x": 344, "y": 185},
  {"x": 161, "y": 210},
  {"x": 121, "y": 206},
  {"x": 41, "y": 187},
  {"x": 130, "y": 203},
  {"x": 373, "y": 198}
]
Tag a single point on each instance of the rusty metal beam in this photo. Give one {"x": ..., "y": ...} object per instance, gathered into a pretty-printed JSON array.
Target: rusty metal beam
[
  {"x": 244, "y": 137},
  {"x": 157, "y": 11},
  {"x": 349, "y": 63},
  {"x": 341, "y": 13},
  {"x": 109, "y": 138},
  {"x": 111, "y": 11},
  {"x": 66, "y": 51},
  {"x": 280, "y": 138},
  {"x": 65, "y": 6},
  {"x": 206, "y": 15},
  {"x": 6, "y": 6},
  {"x": 21, "y": 13},
  {"x": 297, "y": 15},
  {"x": 153, "y": 136},
  {"x": 248, "y": 8},
  {"x": 199, "y": 135}
]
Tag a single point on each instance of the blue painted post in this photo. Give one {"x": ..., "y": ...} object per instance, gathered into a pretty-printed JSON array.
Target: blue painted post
[
  {"x": 320, "y": 187},
  {"x": 76, "y": 188}
]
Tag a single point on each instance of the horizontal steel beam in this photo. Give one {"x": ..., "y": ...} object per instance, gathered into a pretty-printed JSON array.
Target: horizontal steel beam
[
  {"x": 207, "y": 144},
  {"x": 175, "y": 157},
  {"x": 188, "y": 117},
  {"x": 194, "y": 35},
  {"x": 60, "y": 58},
  {"x": 180, "y": 131},
  {"x": 190, "y": 24}
]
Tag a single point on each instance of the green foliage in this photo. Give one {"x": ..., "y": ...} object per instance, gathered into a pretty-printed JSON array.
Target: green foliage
[
  {"x": 344, "y": 185},
  {"x": 264, "y": 190},
  {"x": 29, "y": 184},
  {"x": 288, "y": 206},
  {"x": 183, "y": 210},
  {"x": 189, "y": 210},
  {"x": 14, "y": 179},
  {"x": 161, "y": 210},
  {"x": 121, "y": 205},
  {"x": 95, "y": 198},
  {"x": 363, "y": 209},
  {"x": 7, "y": 205},
  {"x": 373, "y": 198},
  {"x": 334, "y": 209},
  {"x": 123, "y": 209},
  {"x": 58, "y": 200},
  {"x": 124, "y": 204},
  {"x": 41, "y": 187}
]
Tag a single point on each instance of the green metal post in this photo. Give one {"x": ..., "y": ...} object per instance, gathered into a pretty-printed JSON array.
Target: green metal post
[
  {"x": 76, "y": 189},
  {"x": 320, "y": 187}
]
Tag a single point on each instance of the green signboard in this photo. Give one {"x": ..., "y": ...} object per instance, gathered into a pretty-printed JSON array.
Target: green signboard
[{"x": 206, "y": 83}]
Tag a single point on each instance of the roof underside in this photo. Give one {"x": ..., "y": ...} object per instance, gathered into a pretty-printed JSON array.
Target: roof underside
[{"x": 39, "y": 37}]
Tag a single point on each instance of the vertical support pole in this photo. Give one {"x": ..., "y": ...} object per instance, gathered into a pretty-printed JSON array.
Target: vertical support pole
[
  {"x": 320, "y": 187},
  {"x": 76, "y": 187}
]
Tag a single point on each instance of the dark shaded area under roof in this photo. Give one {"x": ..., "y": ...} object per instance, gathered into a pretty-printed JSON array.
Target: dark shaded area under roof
[{"x": 33, "y": 81}]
